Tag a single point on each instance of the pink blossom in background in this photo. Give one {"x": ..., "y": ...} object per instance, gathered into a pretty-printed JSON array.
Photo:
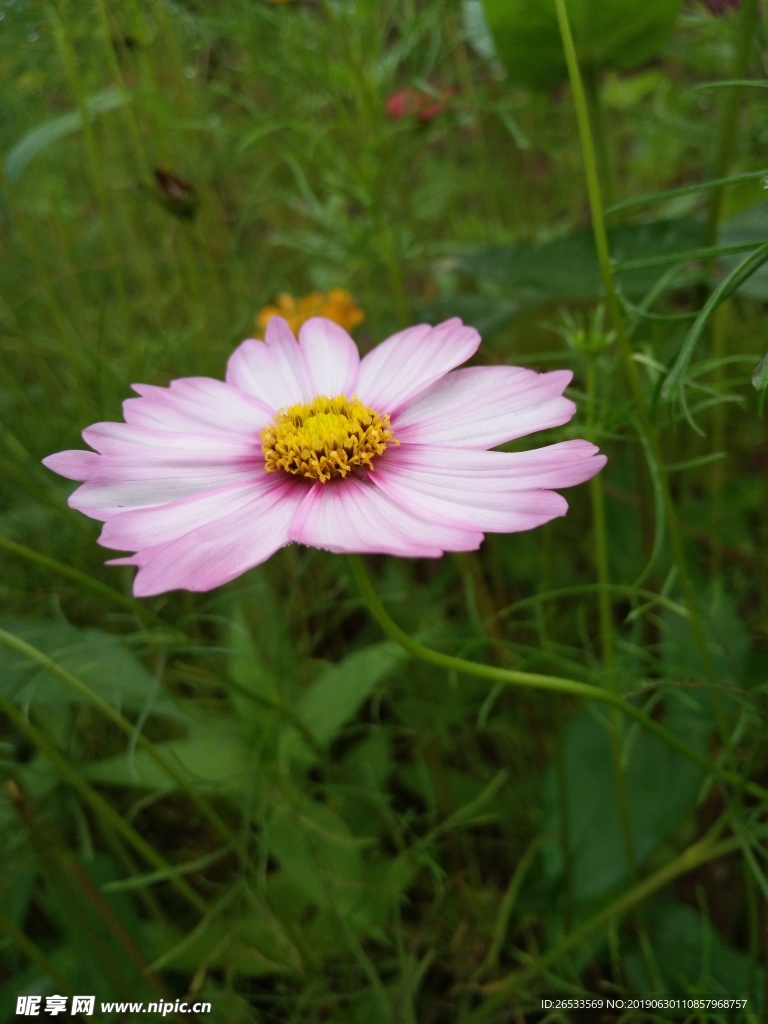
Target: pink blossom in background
[
  {"x": 413, "y": 102},
  {"x": 306, "y": 442}
]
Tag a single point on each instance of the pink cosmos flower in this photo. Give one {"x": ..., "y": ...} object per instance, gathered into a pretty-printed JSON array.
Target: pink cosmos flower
[{"x": 307, "y": 442}]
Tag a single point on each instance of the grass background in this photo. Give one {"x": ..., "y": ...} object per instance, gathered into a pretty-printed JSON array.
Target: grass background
[{"x": 251, "y": 796}]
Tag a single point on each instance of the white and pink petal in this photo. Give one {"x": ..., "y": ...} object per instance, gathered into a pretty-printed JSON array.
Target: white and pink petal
[
  {"x": 483, "y": 406},
  {"x": 331, "y": 357},
  {"x": 125, "y": 485},
  {"x": 199, "y": 405},
  {"x": 354, "y": 516},
  {"x": 488, "y": 491},
  {"x": 221, "y": 548},
  {"x": 274, "y": 370},
  {"x": 148, "y": 527},
  {"x": 74, "y": 465},
  {"x": 405, "y": 365},
  {"x": 124, "y": 440}
]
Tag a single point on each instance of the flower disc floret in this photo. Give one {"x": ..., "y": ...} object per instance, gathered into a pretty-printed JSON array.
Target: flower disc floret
[{"x": 325, "y": 438}]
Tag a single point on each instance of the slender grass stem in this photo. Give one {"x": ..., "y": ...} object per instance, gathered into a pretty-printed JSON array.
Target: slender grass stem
[
  {"x": 84, "y": 580},
  {"x": 597, "y": 119},
  {"x": 693, "y": 857},
  {"x": 103, "y": 808},
  {"x": 34, "y": 954},
  {"x": 636, "y": 387},
  {"x": 729, "y": 114},
  {"x": 536, "y": 681},
  {"x": 15, "y": 643},
  {"x": 71, "y": 68},
  {"x": 726, "y": 132},
  {"x": 607, "y": 640}
]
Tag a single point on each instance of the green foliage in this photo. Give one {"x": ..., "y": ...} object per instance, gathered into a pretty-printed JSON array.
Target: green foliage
[
  {"x": 567, "y": 268},
  {"x": 585, "y": 856},
  {"x": 96, "y": 658},
  {"x": 691, "y": 956},
  {"x": 608, "y": 34},
  {"x": 44, "y": 135},
  {"x": 252, "y": 796}
]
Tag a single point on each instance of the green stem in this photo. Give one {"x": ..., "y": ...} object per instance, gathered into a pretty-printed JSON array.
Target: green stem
[
  {"x": 99, "y": 805},
  {"x": 533, "y": 680},
  {"x": 729, "y": 113},
  {"x": 696, "y": 855},
  {"x": 591, "y": 173},
  {"x": 597, "y": 120},
  {"x": 83, "y": 579},
  {"x": 597, "y": 495},
  {"x": 34, "y": 954},
  {"x": 607, "y": 640},
  {"x": 96, "y": 162},
  {"x": 636, "y": 386},
  {"x": 15, "y": 643}
]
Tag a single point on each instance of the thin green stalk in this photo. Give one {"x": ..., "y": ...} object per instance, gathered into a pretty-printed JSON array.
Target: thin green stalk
[
  {"x": 700, "y": 853},
  {"x": 628, "y": 590},
  {"x": 605, "y": 606},
  {"x": 33, "y": 953},
  {"x": 726, "y": 133},
  {"x": 369, "y": 105},
  {"x": 99, "y": 805},
  {"x": 533, "y": 680},
  {"x": 686, "y": 190},
  {"x": 729, "y": 114},
  {"x": 597, "y": 119},
  {"x": 127, "y": 728},
  {"x": 591, "y": 172},
  {"x": 597, "y": 495},
  {"x": 70, "y": 64},
  {"x": 617, "y": 321},
  {"x": 141, "y": 611}
]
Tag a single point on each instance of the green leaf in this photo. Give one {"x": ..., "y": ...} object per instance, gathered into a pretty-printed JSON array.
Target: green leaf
[
  {"x": 673, "y": 388},
  {"x": 213, "y": 757},
  {"x": 750, "y": 225},
  {"x": 661, "y": 785},
  {"x": 568, "y": 268},
  {"x": 728, "y": 641},
  {"x": 760, "y": 380},
  {"x": 692, "y": 957},
  {"x": 607, "y": 34},
  {"x": 333, "y": 699},
  {"x": 263, "y": 664},
  {"x": 44, "y": 135},
  {"x": 318, "y": 853},
  {"x": 760, "y": 375},
  {"x": 97, "y": 659},
  {"x": 18, "y": 863}
]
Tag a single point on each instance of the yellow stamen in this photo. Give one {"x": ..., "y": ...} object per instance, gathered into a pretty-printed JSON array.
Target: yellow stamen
[{"x": 326, "y": 438}]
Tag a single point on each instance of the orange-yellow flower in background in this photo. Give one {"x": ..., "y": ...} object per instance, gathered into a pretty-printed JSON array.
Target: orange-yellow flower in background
[{"x": 337, "y": 305}]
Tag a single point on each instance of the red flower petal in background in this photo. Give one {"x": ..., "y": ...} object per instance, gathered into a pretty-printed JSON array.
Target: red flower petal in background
[{"x": 413, "y": 102}]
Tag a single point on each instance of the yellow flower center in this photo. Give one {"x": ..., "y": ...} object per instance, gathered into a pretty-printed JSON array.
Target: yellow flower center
[{"x": 325, "y": 438}]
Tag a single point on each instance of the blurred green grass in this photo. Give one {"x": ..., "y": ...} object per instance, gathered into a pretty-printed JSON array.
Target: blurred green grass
[{"x": 248, "y": 795}]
